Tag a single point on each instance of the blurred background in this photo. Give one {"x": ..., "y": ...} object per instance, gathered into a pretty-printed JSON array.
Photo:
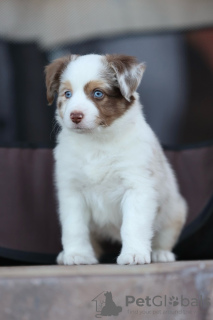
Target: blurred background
[{"x": 174, "y": 38}]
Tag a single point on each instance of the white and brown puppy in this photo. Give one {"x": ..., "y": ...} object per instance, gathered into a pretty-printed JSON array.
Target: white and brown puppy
[{"x": 111, "y": 175}]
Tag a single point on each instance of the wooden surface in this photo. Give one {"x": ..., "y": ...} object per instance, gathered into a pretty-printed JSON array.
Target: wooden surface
[
  {"x": 103, "y": 269},
  {"x": 66, "y": 292}
]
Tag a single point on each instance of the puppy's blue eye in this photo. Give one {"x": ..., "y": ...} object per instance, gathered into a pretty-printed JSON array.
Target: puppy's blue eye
[
  {"x": 68, "y": 94},
  {"x": 98, "y": 94}
]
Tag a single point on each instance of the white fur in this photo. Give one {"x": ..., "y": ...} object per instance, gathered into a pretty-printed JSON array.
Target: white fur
[{"x": 114, "y": 181}]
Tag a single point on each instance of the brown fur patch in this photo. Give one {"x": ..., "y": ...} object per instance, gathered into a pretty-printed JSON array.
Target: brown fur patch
[
  {"x": 53, "y": 73},
  {"x": 64, "y": 86},
  {"x": 121, "y": 62},
  {"x": 127, "y": 66},
  {"x": 112, "y": 106},
  {"x": 59, "y": 104}
]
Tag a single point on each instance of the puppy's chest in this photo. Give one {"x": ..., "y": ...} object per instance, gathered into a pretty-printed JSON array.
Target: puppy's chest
[
  {"x": 97, "y": 169},
  {"x": 100, "y": 181}
]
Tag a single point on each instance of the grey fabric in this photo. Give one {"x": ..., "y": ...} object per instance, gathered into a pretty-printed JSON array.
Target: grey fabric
[
  {"x": 7, "y": 98},
  {"x": 24, "y": 115}
]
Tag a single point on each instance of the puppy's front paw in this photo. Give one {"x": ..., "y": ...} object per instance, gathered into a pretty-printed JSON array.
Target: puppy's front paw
[
  {"x": 162, "y": 256},
  {"x": 75, "y": 258},
  {"x": 134, "y": 258}
]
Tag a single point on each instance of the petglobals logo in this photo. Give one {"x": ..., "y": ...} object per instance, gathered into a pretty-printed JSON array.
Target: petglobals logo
[
  {"x": 164, "y": 301},
  {"x": 105, "y": 305}
]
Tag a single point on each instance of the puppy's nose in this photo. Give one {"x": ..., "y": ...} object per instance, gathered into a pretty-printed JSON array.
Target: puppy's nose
[{"x": 76, "y": 116}]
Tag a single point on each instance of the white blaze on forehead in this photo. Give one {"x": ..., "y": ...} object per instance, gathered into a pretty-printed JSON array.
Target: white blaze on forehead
[{"x": 82, "y": 70}]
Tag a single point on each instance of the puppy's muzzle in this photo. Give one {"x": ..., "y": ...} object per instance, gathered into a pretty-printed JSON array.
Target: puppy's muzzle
[{"x": 76, "y": 116}]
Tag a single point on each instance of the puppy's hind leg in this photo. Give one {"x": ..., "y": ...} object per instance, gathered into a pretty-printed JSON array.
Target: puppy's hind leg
[{"x": 167, "y": 235}]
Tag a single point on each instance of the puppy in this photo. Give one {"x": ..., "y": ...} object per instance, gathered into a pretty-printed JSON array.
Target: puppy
[{"x": 111, "y": 175}]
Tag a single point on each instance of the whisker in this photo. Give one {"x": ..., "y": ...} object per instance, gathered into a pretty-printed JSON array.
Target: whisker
[
  {"x": 103, "y": 123},
  {"x": 55, "y": 128}
]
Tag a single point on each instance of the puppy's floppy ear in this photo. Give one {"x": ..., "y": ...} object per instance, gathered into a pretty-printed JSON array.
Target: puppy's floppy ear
[
  {"x": 128, "y": 73},
  {"x": 53, "y": 73}
]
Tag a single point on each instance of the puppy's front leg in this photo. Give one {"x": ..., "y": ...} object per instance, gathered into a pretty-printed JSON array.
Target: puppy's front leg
[
  {"x": 138, "y": 210},
  {"x": 74, "y": 217}
]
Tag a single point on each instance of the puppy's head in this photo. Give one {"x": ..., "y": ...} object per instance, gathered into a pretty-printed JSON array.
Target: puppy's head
[{"x": 92, "y": 90}]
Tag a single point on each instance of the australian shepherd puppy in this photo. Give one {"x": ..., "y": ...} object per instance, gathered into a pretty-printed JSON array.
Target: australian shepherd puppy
[{"x": 112, "y": 177}]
